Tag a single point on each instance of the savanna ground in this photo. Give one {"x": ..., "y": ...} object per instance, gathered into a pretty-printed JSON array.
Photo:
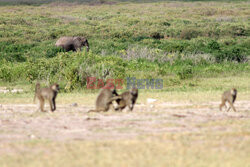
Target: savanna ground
[
  {"x": 181, "y": 128},
  {"x": 199, "y": 49}
]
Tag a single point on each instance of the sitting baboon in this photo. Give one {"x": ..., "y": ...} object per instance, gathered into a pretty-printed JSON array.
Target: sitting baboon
[
  {"x": 127, "y": 98},
  {"x": 48, "y": 93},
  {"x": 230, "y": 97},
  {"x": 72, "y": 43},
  {"x": 104, "y": 100}
]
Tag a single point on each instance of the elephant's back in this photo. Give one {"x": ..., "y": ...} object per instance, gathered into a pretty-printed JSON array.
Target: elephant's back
[{"x": 63, "y": 40}]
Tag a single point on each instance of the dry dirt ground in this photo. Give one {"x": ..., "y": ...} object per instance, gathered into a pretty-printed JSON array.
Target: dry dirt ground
[{"x": 22, "y": 122}]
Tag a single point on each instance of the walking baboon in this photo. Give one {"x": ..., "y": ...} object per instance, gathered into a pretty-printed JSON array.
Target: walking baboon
[
  {"x": 72, "y": 43},
  {"x": 230, "y": 97},
  {"x": 104, "y": 100},
  {"x": 127, "y": 98},
  {"x": 47, "y": 93}
]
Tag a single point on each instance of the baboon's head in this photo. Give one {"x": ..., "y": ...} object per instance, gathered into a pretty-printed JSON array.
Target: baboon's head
[
  {"x": 55, "y": 87},
  {"x": 134, "y": 91},
  {"x": 38, "y": 85},
  {"x": 234, "y": 91}
]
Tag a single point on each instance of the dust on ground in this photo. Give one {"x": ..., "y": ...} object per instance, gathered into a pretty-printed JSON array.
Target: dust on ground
[{"x": 71, "y": 122}]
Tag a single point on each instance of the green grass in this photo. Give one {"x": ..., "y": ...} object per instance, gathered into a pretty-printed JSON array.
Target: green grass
[
  {"x": 197, "y": 39},
  {"x": 192, "y": 90}
]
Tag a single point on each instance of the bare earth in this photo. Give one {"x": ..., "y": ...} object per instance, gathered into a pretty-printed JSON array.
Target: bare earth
[{"x": 23, "y": 122}]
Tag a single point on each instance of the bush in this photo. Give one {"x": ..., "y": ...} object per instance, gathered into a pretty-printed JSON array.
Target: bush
[
  {"x": 214, "y": 45},
  {"x": 156, "y": 35},
  {"x": 189, "y": 33},
  {"x": 238, "y": 31},
  {"x": 14, "y": 52},
  {"x": 185, "y": 72}
]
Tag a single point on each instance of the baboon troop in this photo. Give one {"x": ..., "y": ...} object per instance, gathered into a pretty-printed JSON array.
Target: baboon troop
[
  {"x": 47, "y": 93},
  {"x": 72, "y": 43},
  {"x": 106, "y": 97},
  {"x": 104, "y": 100},
  {"x": 230, "y": 97}
]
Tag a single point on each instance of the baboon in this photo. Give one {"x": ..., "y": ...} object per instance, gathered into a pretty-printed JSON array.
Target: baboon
[
  {"x": 72, "y": 43},
  {"x": 230, "y": 97},
  {"x": 127, "y": 98},
  {"x": 47, "y": 93},
  {"x": 104, "y": 100}
]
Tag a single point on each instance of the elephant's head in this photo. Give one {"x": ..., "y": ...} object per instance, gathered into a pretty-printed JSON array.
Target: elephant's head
[{"x": 83, "y": 41}]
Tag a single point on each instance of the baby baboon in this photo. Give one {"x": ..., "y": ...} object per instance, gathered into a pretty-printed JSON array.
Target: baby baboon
[
  {"x": 127, "y": 98},
  {"x": 104, "y": 100},
  {"x": 230, "y": 97},
  {"x": 72, "y": 43},
  {"x": 48, "y": 93}
]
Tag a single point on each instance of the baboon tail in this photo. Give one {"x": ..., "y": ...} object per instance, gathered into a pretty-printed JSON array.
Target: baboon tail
[
  {"x": 91, "y": 111},
  {"x": 37, "y": 87},
  {"x": 36, "y": 90},
  {"x": 97, "y": 110},
  {"x": 34, "y": 99}
]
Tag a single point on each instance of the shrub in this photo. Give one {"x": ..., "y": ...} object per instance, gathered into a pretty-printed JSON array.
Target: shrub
[
  {"x": 5, "y": 73},
  {"x": 156, "y": 35},
  {"x": 92, "y": 65},
  {"x": 238, "y": 31},
  {"x": 213, "y": 45},
  {"x": 165, "y": 23},
  {"x": 235, "y": 54},
  {"x": 185, "y": 72},
  {"x": 189, "y": 33}
]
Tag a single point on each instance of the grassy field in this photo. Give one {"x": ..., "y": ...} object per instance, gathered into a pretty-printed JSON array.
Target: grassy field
[
  {"x": 170, "y": 40},
  {"x": 205, "y": 89},
  {"x": 198, "y": 48}
]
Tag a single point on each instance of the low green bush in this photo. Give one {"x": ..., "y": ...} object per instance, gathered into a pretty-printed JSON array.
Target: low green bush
[
  {"x": 185, "y": 72},
  {"x": 189, "y": 33}
]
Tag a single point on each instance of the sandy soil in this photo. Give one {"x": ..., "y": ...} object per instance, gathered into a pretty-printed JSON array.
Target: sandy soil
[{"x": 23, "y": 122}]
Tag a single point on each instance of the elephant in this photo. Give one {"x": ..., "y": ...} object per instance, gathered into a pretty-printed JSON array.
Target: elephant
[{"x": 72, "y": 43}]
